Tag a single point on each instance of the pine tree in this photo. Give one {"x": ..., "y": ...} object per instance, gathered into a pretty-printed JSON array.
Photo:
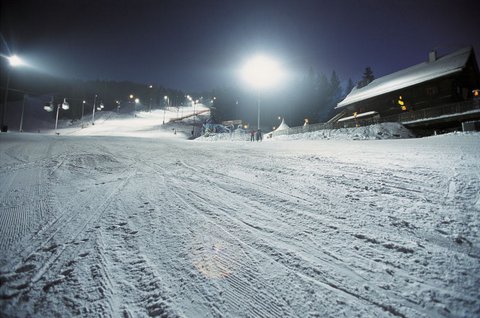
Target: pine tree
[
  {"x": 350, "y": 87},
  {"x": 335, "y": 88},
  {"x": 368, "y": 75},
  {"x": 333, "y": 97},
  {"x": 323, "y": 88}
]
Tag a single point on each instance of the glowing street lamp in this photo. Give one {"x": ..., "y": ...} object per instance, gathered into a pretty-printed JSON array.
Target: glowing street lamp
[
  {"x": 65, "y": 104},
  {"x": 49, "y": 106},
  {"x": 136, "y": 102},
  {"x": 165, "y": 104},
  {"x": 83, "y": 109},
  {"x": 261, "y": 72},
  {"x": 150, "y": 104},
  {"x": 14, "y": 61}
]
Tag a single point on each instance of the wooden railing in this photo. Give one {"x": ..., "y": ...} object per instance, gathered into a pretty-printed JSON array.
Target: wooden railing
[{"x": 424, "y": 114}]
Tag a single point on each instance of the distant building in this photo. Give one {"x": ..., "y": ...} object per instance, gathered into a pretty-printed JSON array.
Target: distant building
[{"x": 452, "y": 78}]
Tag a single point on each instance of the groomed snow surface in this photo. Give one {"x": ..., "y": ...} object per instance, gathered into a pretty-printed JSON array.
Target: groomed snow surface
[{"x": 98, "y": 222}]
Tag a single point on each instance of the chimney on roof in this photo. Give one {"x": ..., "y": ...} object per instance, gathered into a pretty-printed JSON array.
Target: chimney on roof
[{"x": 432, "y": 56}]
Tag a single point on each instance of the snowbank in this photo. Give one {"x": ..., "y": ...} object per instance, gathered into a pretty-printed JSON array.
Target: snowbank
[{"x": 378, "y": 131}]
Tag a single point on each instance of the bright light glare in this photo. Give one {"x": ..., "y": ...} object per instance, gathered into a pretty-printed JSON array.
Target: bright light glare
[
  {"x": 15, "y": 61},
  {"x": 262, "y": 72},
  {"x": 48, "y": 107},
  {"x": 137, "y": 101}
]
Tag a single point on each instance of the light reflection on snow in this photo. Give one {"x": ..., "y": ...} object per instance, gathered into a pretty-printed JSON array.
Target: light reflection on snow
[{"x": 213, "y": 258}]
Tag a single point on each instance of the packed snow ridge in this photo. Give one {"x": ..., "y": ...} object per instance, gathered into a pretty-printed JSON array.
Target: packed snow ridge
[{"x": 95, "y": 223}]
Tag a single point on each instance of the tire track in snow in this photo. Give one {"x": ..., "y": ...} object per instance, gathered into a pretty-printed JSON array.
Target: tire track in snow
[
  {"x": 187, "y": 238},
  {"x": 135, "y": 285},
  {"x": 47, "y": 258},
  {"x": 304, "y": 273},
  {"x": 24, "y": 204},
  {"x": 216, "y": 255},
  {"x": 329, "y": 286},
  {"x": 285, "y": 263},
  {"x": 231, "y": 192},
  {"x": 257, "y": 300}
]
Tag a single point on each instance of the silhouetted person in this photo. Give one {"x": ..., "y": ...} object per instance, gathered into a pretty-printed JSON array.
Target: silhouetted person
[{"x": 259, "y": 135}]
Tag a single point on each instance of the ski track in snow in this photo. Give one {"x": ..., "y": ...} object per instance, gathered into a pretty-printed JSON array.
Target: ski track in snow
[{"x": 125, "y": 227}]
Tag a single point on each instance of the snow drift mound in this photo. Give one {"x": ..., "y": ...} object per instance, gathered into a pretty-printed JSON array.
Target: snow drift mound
[{"x": 377, "y": 131}]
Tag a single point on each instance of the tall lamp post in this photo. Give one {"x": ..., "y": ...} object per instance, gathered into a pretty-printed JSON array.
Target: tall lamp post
[
  {"x": 165, "y": 104},
  {"x": 23, "y": 112},
  {"x": 150, "y": 104},
  {"x": 65, "y": 106},
  {"x": 137, "y": 101},
  {"x": 261, "y": 73},
  {"x": 14, "y": 61},
  {"x": 93, "y": 110},
  {"x": 83, "y": 109},
  {"x": 49, "y": 108}
]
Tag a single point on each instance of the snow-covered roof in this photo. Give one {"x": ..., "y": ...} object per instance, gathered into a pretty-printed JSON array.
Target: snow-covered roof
[{"x": 413, "y": 75}]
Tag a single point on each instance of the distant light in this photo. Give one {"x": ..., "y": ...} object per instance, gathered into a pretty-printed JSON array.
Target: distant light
[
  {"x": 401, "y": 103},
  {"x": 102, "y": 106},
  {"x": 476, "y": 92},
  {"x": 48, "y": 107},
  {"x": 262, "y": 72},
  {"x": 131, "y": 96},
  {"x": 151, "y": 86},
  {"x": 84, "y": 102},
  {"x": 165, "y": 97},
  {"x": 15, "y": 61},
  {"x": 137, "y": 100},
  {"x": 65, "y": 105}
]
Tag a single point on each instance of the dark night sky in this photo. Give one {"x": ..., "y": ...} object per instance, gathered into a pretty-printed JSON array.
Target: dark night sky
[{"x": 199, "y": 45}]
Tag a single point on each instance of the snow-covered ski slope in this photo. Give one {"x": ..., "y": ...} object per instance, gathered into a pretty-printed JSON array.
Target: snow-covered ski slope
[{"x": 111, "y": 226}]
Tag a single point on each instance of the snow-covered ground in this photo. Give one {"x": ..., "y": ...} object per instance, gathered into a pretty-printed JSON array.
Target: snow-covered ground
[{"x": 100, "y": 222}]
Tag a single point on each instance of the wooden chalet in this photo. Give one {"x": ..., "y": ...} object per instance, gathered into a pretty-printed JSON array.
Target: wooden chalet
[{"x": 439, "y": 81}]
